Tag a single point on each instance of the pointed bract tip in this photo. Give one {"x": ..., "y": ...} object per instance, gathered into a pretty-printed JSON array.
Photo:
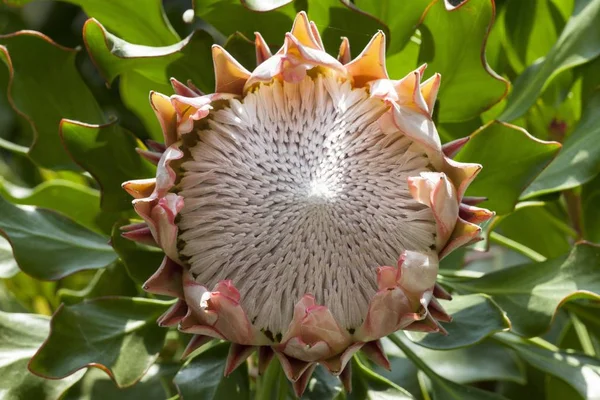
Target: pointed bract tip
[
  {"x": 263, "y": 52},
  {"x": 230, "y": 75},
  {"x": 344, "y": 55},
  {"x": 369, "y": 65},
  {"x": 302, "y": 31}
]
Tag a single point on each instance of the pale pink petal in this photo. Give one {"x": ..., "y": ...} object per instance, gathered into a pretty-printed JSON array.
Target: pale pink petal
[
  {"x": 165, "y": 175},
  {"x": 312, "y": 323},
  {"x": 417, "y": 272},
  {"x": 386, "y": 310},
  {"x": 435, "y": 190}
]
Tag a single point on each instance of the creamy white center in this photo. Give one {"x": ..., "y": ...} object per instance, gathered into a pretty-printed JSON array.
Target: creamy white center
[{"x": 296, "y": 190}]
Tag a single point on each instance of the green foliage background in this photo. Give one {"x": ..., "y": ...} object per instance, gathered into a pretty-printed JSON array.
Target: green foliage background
[{"x": 521, "y": 77}]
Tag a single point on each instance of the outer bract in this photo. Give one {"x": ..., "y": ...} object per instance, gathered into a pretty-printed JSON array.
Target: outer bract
[{"x": 304, "y": 206}]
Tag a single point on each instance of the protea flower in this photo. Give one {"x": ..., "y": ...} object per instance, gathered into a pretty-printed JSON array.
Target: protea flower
[{"x": 303, "y": 207}]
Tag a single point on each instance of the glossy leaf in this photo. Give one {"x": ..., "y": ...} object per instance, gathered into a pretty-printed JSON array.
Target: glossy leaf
[
  {"x": 590, "y": 212},
  {"x": 402, "y": 17},
  {"x": 242, "y": 49},
  {"x": 579, "y": 160},
  {"x": 141, "y": 261},
  {"x": 578, "y": 43},
  {"x": 459, "y": 57},
  {"x": 49, "y": 246},
  {"x": 366, "y": 384},
  {"x": 108, "y": 153},
  {"x": 142, "y": 21},
  {"x": 579, "y": 371},
  {"x": 111, "y": 281},
  {"x": 466, "y": 328},
  {"x": 530, "y": 294},
  {"x": 143, "y": 68},
  {"x": 76, "y": 201},
  {"x": 442, "y": 388},
  {"x": 465, "y": 365},
  {"x": 96, "y": 385},
  {"x": 530, "y": 31},
  {"x": 525, "y": 223},
  {"x": 8, "y": 265},
  {"x": 32, "y": 62},
  {"x": 334, "y": 18},
  {"x": 202, "y": 378},
  {"x": 21, "y": 335},
  {"x": 116, "y": 334},
  {"x": 337, "y": 18},
  {"x": 511, "y": 159}
]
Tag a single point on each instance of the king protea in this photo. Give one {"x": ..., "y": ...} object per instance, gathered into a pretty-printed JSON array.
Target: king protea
[{"x": 303, "y": 207}]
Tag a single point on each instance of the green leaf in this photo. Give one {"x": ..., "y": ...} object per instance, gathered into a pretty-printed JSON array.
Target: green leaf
[
  {"x": 590, "y": 212},
  {"x": 21, "y": 335},
  {"x": 442, "y": 388},
  {"x": 230, "y": 16},
  {"x": 530, "y": 31},
  {"x": 578, "y": 43},
  {"x": 140, "y": 21},
  {"x": 337, "y": 18},
  {"x": 96, "y": 385},
  {"x": 525, "y": 223},
  {"x": 334, "y": 18},
  {"x": 49, "y": 246},
  {"x": 45, "y": 87},
  {"x": 118, "y": 335},
  {"x": 402, "y": 17},
  {"x": 323, "y": 386},
  {"x": 465, "y": 365},
  {"x": 578, "y": 162},
  {"x": 111, "y": 281},
  {"x": 144, "y": 68},
  {"x": 242, "y": 49},
  {"x": 589, "y": 316},
  {"x": 8, "y": 265},
  {"x": 108, "y": 153},
  {"x": 511, "y": 159},
  {"x": 530, "y": 294},
  {"x": 141, "y": 261},
  {"x": 367, "y": 384},
  {"x": 466, "y": 327},
  {"x": 455, "y": 47},
  {"x": 78, "y": 202},
  {"x": 577, "y": 370},
  {"x": 202, "y": 378}
]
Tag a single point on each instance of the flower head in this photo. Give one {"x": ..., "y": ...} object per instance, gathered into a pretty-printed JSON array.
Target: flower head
[{"x": 304, "y": 206}]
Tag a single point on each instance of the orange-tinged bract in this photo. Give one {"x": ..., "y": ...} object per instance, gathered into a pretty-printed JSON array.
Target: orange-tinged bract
[{"x": 303, "y": 207}]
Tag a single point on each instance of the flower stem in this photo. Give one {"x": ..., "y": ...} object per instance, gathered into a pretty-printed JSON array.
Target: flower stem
[{"x": 516, "y": 246}]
